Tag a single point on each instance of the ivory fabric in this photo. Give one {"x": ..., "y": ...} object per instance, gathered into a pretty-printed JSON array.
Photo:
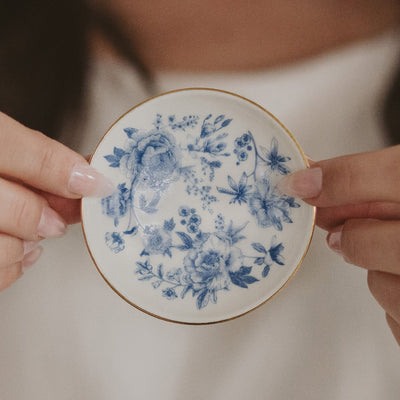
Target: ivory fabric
[{"x": 64, "y": 334}]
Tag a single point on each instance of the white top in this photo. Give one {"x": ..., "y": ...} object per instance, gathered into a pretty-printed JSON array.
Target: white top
[{"x": 66, "y": 335}]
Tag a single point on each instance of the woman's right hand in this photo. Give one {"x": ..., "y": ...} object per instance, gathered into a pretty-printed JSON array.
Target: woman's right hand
[{"x": 41, "y": 182}]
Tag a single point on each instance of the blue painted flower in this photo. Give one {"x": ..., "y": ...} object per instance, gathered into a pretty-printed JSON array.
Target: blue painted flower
[
  {"x": 169, "y": 293},
  {"x": 157, "y": 240},
  {"x": 192, "y": 228},
  {"x": 246, "y": 138},
  {"x": 275, "y": 161},
  {"x": 242, "y": 155},
  {"x": 240, "y": 191},
  {"x": 116, "y": 205},
  {"x": 114, "y": 241},
  {"x": 195, "y": 219},
  {"x": 269, "y": 208},
  {"x": 155, "y": 158},
  {"x": 239, "y": 142},
  {"x": 209, "y": 266},
  {"x": 184, "y": 211}
]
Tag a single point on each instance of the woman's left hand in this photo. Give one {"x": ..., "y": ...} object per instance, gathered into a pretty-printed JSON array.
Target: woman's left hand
[{"x": 358, "y": 203}]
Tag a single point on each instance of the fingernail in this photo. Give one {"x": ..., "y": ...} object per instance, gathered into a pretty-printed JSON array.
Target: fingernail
[
  {"x": 334, "y": 240},
  {"x": 31, "y": 258},
  {"x": 29, "y": 246},
  {"x": 86, "y": 181},
  {"x": 51, "y": 225},
  {"x": 305, "y": 184}
]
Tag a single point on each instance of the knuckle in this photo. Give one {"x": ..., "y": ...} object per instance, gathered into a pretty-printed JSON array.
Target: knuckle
[
  {"x": 25, "y": 213},
  {"x": 46, "y": 162},
  {"x": 349, "y": 245},
  {"x": 11, "y": 250},
  {"x": 20, "y": 212}
]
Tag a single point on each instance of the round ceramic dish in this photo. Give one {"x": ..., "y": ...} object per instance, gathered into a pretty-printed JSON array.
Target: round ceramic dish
[{"x": 196, "y": 231}]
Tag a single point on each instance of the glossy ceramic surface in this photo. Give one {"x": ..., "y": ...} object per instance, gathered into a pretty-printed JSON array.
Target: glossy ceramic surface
[{"x": 196, "y": 231}]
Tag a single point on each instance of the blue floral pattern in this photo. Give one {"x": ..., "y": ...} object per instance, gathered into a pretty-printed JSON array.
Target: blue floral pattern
[{"x": 213, "y": 261}]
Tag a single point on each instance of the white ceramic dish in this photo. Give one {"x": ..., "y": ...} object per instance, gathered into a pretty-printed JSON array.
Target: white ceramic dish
[{"x": 196, "y": 231}]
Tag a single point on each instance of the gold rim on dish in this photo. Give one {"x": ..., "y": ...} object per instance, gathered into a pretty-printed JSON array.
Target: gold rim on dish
[{"x": 312, "y": 227}]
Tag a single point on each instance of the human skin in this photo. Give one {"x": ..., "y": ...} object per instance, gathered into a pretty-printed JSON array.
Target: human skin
[
  {"x": 41, "y": 181},
  {"x": 358, "y": 203}
]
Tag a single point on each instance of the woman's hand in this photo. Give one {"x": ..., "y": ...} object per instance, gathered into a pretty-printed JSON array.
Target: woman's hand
[
  {"x": 41, "y": 182},
  {"x": 358, "y": 200}
]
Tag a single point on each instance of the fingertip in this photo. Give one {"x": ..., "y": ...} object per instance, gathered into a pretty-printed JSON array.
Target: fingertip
[
  {"x": 88, "y": 182},
  {"x": 306, "y": 184}
]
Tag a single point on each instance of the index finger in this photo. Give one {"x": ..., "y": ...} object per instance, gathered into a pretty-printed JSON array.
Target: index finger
[
  {"x": 43, "y": 163},
  {"x": 352, "y": 179}
]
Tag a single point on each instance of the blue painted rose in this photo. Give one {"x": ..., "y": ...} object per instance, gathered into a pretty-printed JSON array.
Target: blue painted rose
[
  {"x": 208, "y": 266},
  {"x": 153, "y": 157}
]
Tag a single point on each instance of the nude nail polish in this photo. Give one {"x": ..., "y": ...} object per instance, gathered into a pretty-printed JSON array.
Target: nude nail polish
[
  {"x": 88, "y": 182},
  {"x": 31, "y": 258},
  {"x": 51, "y": 225},
  {"x": 305, "y": 184}
]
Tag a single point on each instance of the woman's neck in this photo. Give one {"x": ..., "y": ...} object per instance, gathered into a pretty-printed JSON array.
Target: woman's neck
[{"x": 239, "y": 35}]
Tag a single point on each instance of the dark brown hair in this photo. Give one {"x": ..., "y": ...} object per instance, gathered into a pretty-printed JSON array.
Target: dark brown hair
[{"x": 44, "y": 49}]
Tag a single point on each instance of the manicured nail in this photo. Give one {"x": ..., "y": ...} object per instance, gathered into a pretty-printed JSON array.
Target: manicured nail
[
  {"x": 51, "y": 225},
  {"x": 86, "y": 181},
  {"x": 31, "y": 258},
  {"x": 305, "y": 184},
  {"x": 29, "y": 245},
  {"x": 334, "y": 240}
]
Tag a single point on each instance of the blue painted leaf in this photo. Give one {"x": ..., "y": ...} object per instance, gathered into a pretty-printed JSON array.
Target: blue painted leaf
[
  {"x": 203, "y": 299},
  {"x": 160, "y": 271},
  {"x": 119, "y": 152},
  {"x": 146, "y": 277},
  {"x": 185, "y": 290},
  {"x": 186, "y": 239},
  {"x": 244, "y": 270},
  {"x": 130, "y": 131},
  {"x": 225, "y": 191},
  {"x": 219, "y": 119},
  {"x": 259, "y": 260},
  {"x": 266, "y": 271},
  {"x": 259, "y": 247},
  {"x": 145, "y": 266},
  {"x": 150, "y": 210},
  {"x": 249, "y": 279},
  {"x": 221, "y": 136},
  {"x": 167, "y": 252},
  {"x": 132, "y": 231},
  {"x": 226, "y": 123},
  {"x": 144, "y": 253},
  {"x": 237, "y": 280},
  {"x": 142, "y": 201},
  {"x": 113, "y": 160},
  {"x": 232, "y": 183},
  {"x": 154, "y": 201},
  {"x": 169, "y": 225}
]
